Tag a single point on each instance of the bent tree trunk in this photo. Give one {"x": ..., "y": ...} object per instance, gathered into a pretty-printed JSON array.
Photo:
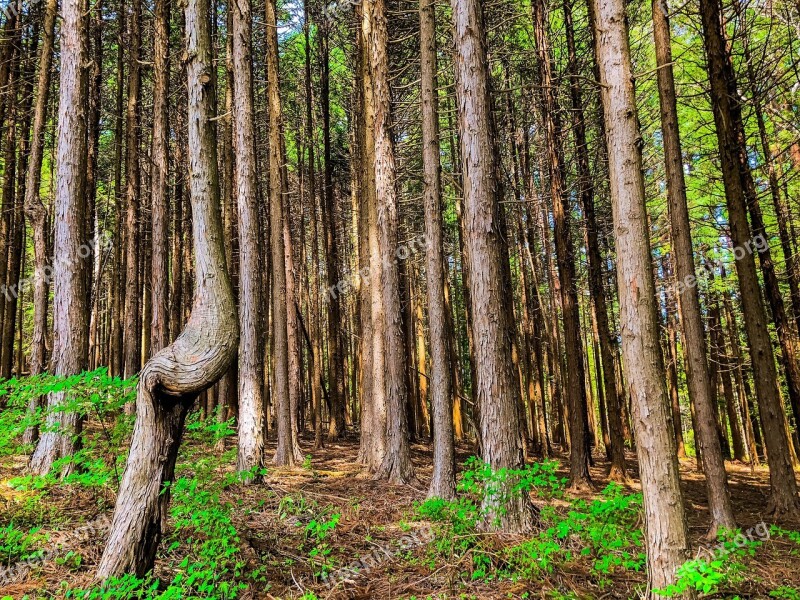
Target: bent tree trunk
[{"x": 202, "y": 353}]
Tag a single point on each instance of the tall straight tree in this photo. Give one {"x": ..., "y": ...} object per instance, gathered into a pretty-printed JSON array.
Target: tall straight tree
[
  {"x": 565, "y": 255},
  {"x": 251, "y": 395},
  {"x": 117, "y": 276},
  {"x": 496, "y": 390},
  {"x": 373, "y": 405},
  {"x": 694, "y": 344},
  {"x": 70, "y": 306},
  {"x": 336, "y": 374},
  {"x": 132, "y": 346},
  {"x": 287, "y": 452},
  {"x": 396, "y": 466},
  {"x": 159, "y": 173},
  {"x": 35, "y": 209},
  {"x": 311, "y": 186},
  {"x": 666, "y": 538},
  {"x": 726, "y": 106},
  {"x": 443, "y": 479},
  {"x": 595, "y": 258},
  {"x": 172, "y": 380}
]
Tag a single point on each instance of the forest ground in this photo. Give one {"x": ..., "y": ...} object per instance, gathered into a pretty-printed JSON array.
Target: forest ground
[{"x": 272, "y": 521}]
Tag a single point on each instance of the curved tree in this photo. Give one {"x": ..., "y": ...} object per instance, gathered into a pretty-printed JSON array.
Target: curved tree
[{"x": 202, "y": 353}]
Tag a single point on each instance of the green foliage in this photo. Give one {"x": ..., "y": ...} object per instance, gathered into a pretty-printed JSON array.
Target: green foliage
[
  {"x": 724, "y": 569},
  {"x": 91, "y": 393},
  {"x": 792, "y": 536},
  {"x": 605, "y": 532},
  {"x": 205, "y": 537},
  {"x": 203, "y": 546},
  {"x": 500, "y": 484},
  {"x": 316, "y": 533},
  {"x": 17, "y": 545},
  {"x": 209, "y": 431},
  {"x": 785, "y": 592}
]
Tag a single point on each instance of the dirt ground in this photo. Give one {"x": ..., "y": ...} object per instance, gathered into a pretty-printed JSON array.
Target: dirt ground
[{"x": 376, "y": 516}]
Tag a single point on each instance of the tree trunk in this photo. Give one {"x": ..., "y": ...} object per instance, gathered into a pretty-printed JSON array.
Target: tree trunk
[
  {"x": 728, "y": 119},
  {"x": 12, "y": 110},
  {"x": 311, "y": 185},
  {"x": 36, "y": 211},
  {"x": 70, "y": 309},
  {"x": 595, "y": 260},
  {"x": 576, "y": 391},
  {"x": 251, "y": 390},
  {"x": 202, "y": 353},
  {"x": 495, "y": 387},
  {"x": 93, "y": 232},
  {"x": 694, "y": 345},
  {"x": 159, "y": 174},
  {"x": 118, "y": 278},
  {"x": 396, "y": 465},
  {"x": 286, "y": 453},
  {"x": 17, "y": 216},
  {"x": 132, "y": 358},
  {"x": 751, "y": 428},
  {"x": 443, "y": 483},
  {"x": 373, "y": 421},
  {"x": 671, "y": 347},
  {"x": 336, "y": 374},
  {"x": 666, "y": 538}
]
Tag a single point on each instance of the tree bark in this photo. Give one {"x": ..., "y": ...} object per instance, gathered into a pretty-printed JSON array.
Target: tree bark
[
  {"x": 36, "y": 211},
  {"x": 202, "y": 353},
  {"x": 735, "y": 171},
  {"x": 118, "y": 277},
  {"x": 595, "y": 260},
  {"x": 311, "y": 185},
  {"x": 131, "y": 337},
  {"x": 70, "y": 309},
  {"x": 336, "y": 422},
  {"x": 441, "y": 390},
  {"x": 698, "y": 380},
  {"x": 495, "y": 386},
  {"x": 251, "y": 390},
  {"x": 666, "y": 538},
  {"x": 565, "y": 255},
  {"x": 373, "y": 423},
  {"x": 396, "y": 465},
  {"x": 159, "y": 173},
  {"x": 286, "y": 453}
]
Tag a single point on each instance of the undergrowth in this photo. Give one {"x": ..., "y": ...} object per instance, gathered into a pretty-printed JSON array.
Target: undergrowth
[{"x": 201, "y": 554}]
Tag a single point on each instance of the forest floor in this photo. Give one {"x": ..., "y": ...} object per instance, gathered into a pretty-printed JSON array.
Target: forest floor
[{"x": 281, "y": 534}]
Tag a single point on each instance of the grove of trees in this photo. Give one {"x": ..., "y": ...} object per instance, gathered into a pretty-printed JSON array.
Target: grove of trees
[{"x": 520, "y": 229}]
